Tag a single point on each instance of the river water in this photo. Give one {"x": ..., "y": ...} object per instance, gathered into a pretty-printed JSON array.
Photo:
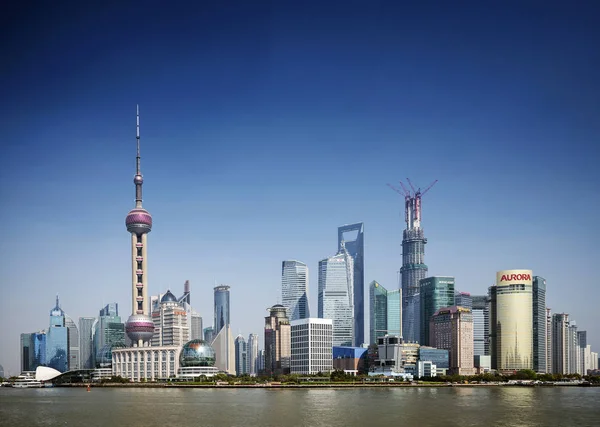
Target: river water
[{"x": 370, "y": 407}]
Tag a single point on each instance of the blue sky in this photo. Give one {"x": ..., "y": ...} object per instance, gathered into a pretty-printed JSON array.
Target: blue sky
[{"x": 266, "y": 126}]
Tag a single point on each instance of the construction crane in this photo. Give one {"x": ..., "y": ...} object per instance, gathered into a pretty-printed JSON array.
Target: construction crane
[{"x": 412, "y": 202}]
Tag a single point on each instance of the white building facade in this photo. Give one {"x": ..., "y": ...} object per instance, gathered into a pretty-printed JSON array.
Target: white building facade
[
  {"x": 312, "y": 346},
  {"x": 146, "y": 363},
  {"x": 336, "y": 299}
]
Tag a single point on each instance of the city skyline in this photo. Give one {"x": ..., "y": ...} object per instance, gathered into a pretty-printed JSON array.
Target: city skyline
[{"x": 261, "y": 157}]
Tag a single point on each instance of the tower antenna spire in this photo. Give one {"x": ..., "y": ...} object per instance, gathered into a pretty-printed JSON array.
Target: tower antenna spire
[{"x": 138, "y": 179}]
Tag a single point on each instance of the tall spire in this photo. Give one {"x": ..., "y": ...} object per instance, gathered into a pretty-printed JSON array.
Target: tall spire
[
  {"x": 138, "y": 180},
  {"x": 57, "y": 305}
]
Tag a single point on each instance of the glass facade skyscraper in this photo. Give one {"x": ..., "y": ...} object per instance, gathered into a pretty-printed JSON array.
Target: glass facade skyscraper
[
  {"x": 294, "y": 289},
  {"x": 253, "y": 354},
  {"x": 463, "y": 299},
  {"x": 74, "y": 352},
  {"x": 109, "y": 329},
  {"x": 86, "y": 342},
  {"x": 335, "y": 296},
  {"x": 356, "y": 248},
  {"x": 435, "y": 293},
  {"x": 57, "y": 340},
  {"x": 481, "y": 325},
  {"x": 241, "y": 356},
  {"x": 221, "y": 308},
  {"x": 539, "y": 325},
  {"x": 33, "y": 351},
  {"x": 378, "y": 311},
  {"x": 394, "y": 312}
]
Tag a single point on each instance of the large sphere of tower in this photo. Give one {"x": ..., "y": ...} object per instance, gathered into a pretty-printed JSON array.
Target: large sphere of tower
[
  {"x": 139, "y": 327},
  {"x": 138, "y": 221}
]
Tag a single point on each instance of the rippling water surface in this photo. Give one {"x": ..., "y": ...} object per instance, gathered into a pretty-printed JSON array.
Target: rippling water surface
[{"x": 423, "y": 407}]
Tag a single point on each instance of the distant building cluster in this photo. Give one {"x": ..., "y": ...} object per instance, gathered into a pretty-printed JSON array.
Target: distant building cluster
[{"x": 422, "y": 327}]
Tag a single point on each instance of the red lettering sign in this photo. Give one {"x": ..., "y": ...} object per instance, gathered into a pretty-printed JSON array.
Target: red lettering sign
[{"x": 511, "y": 277}]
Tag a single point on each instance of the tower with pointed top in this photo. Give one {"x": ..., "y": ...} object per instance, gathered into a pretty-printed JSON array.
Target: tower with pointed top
[{"x": 139, "y": 327}]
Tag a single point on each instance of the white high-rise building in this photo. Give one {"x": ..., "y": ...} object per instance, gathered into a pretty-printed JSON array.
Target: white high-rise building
[
  {"x": 170, "y": 322},
  {"x": 253, "y": 354},
  {"x": 336, "y": 300},
  {"x": 312, "y": 348},
  {"x": 294, "y": 289}
]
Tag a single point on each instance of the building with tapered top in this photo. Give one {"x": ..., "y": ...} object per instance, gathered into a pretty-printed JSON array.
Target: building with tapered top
[{"x": 294, "y": 289}]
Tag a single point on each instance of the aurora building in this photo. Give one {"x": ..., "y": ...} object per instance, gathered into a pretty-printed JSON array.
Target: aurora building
[{"x": 511, "y": 321}]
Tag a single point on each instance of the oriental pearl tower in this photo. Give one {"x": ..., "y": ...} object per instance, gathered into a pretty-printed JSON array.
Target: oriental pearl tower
[{"x": 139, "y": 326}]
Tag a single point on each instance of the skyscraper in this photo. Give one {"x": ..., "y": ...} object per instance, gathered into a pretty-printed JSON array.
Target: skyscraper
[
  {"x": 241, "y": 356},
  {"x": 394, "y": 312},
  {"x": 539, "y": 324},
  {"x": 223, "y": 342},
  {"x": 170, "y": 322},
  {"x": 435, "y": 293},
  {"x": 253, "y": 354},
  {"x": 109, "y": 329},
  {"x": 481, "y": 325},
  {"x": 73, "y": 336},
  {"x": 335, "y": 296},
  {"x": 209, "y": 334},
  {"x": 356, "y": 248},
  {"x": 549, "y": 343},
  {"x": 560, "y": 337},
  {"x": 573, "y": 348},
  {"x": 139, "y": 327},
  {"x": 452, "y": 329},
  {"x": 277, "y": 350},
  {"x": 511, "y": 309},
  {"x": 221, "y": 317},
  {"x": 86, "y": 342},
  {"x": 57, "y": 340},
  {"x": 378, "y": 314},
  {"x": 413, "y": 261},
  {"x": 294, "y": 289},
  {"x": 583, "y": 358}
]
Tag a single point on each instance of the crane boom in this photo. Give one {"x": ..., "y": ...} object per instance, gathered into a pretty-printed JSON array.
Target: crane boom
[{"x": 428, "y": 188}]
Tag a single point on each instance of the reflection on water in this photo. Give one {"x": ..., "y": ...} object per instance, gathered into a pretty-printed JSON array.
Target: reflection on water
[{"x": 423, "y": 406}]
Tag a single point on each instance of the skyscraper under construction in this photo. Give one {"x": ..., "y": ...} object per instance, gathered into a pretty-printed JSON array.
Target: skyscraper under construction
[{"x": 413, "y": 263}]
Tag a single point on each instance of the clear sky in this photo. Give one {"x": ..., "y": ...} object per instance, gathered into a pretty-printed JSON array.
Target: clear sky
[{"x": 266, "y": 125}]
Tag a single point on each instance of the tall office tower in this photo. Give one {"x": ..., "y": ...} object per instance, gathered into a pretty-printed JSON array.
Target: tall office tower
[
  {"x": 57, "y": 340},
  {"x": 335, "y": 296},
  {"x": 195, "y": 321},
  {"x": 209, "y": 334},
  {"x": 573, "y": 348},
  {"x": 252, "y": 354},
  {"x": 108, "y": 329},
  {"x": 139, "y": 326},
  {"x": 481, "y": 325},
  {"x": 511, "y": 324},
  {"x": 73, "y": 336},
  {"x": 260, "y": 363},
  {"x": 170, "y": 322},
  {"x": 294, "y": 289},
  {"x": 311, "y": 346},
  {"x": 221, "y": 316},
  {"x": 378, "y": 311},
  {"x": 86, "y": 342},
  {"x": 241, "y": 356},
  {"x": 435, "y": 292},
  {"x": 413, "y": 260},
  {"x": 223, "y": 343},
  {"x": 582, "y": 341},
  {"x": 463, "y": 299},
  {"x": 539, "y": 325},
  {"x": 560, "y": 355},
  {"x": 277, "y": 341},
  {"x": 356, "y": 248},
  {"x": 394, "y": 312},
  {"x": 549, "y": 342},
  {"x": 26, "y": 352},
  {"x": 451, "y": 328}
]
